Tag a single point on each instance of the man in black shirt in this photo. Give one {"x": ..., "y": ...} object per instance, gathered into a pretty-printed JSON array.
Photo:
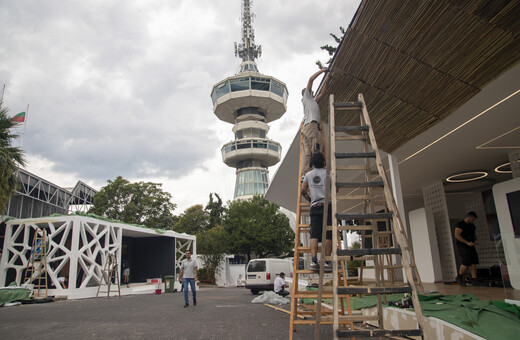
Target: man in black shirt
[{"x": 466, "y": 240}]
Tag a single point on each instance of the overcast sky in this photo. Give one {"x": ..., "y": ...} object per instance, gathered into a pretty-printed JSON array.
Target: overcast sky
[{"x": 122, "y": 87}]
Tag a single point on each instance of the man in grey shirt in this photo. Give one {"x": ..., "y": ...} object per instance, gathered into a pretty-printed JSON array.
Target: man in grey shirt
[
  {"x": 311, "y": 131},
  {"x": 187, "y": 276}
]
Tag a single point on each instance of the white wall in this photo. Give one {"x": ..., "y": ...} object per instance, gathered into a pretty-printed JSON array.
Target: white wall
[{"x": 423, "y": 237}]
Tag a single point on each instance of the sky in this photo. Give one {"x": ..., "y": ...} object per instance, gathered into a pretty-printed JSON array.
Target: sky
[{"x": 122, "y": 87}]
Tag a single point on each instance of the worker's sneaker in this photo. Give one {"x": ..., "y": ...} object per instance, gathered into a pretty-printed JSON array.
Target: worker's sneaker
[
  {"x": 327, "y": 267},
  {"x": 460, "y": 280},
  {"x": 315, "y": 266},
  {"x": 186, "y": 305}
]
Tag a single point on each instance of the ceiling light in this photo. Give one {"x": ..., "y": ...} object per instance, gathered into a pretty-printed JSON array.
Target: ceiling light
[
  {"x": 466, "y": 176},
  {"x": 503, "y": 168}
]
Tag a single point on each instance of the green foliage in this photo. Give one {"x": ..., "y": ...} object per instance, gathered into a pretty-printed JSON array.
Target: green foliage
[
  {"x": 216, "y": 210},
  {"x": 193, "y": 221},
  {"x": 331, "y": 49},
  {"x": 352, "y": 266},
  {"x": 257, "y": 226},
  {"x": 137, "y": 203},
  {"x": 10, "y": 159},
  {"x": 212, "y": 244}
]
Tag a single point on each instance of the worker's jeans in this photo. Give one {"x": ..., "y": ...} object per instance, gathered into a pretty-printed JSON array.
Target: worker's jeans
[{"x": 185, "y": 282}]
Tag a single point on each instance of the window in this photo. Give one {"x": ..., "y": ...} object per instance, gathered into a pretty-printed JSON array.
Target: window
[
  {"x": 256, "y": 266},
  {"x": 277, "y": 88},
  {"x": 239, "y": 84}
]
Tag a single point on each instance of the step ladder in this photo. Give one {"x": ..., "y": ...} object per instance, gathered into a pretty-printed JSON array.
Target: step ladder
[
  {"x": 360, "y": 199},
  {"x": 36, "y": 270},
  {"x": 110, "y": 273},
  {"x": 301, "y": 315}
]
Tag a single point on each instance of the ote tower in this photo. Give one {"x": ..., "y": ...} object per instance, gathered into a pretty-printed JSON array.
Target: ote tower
[{"x": 250, "y": 100}]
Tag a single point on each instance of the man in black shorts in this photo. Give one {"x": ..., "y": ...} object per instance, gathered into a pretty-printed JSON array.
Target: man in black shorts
[
  {"x": 314, "y": 184},
  {"x": 466, "y": 240}
]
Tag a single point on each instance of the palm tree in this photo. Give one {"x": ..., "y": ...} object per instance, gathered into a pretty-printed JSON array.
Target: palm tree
[{"x": 10, "y": 159}]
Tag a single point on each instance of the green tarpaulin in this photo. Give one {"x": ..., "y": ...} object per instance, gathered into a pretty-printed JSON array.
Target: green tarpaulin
[
  {"x": 488, "y": 319},
  {"x": 10, "y": 294}
]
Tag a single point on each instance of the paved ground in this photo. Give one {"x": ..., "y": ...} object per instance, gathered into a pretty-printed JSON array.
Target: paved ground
[{"x": 221, "y": 313}]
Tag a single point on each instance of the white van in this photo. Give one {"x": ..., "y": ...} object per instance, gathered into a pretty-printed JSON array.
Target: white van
[{"x": 261, "y": 273}]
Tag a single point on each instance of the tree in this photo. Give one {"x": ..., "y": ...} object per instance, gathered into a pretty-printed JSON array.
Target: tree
[
  {"x": 216, "y": 210},
  {"x": 331, "y": 49},
  {"x": 212, "y": 244},
  {"x": 10, "y": 159},
  {"x": 257, "y": 226},
  {"x": 137, "y": 203},
  {"x": 193, "y": 221}
]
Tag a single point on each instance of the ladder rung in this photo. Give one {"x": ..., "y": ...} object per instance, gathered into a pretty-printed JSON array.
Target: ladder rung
[
  {"x": 351, "y": 167},
  {"x": 368, "y": 251},
  {"x": 352, "y": 197},
  {"x": 360, "y": 184},
  {"x": 351, "y": 128},
  {"x": 355, "y": 154},
  {"x": 374, "y": 290},
  {"x": 370, "y": 216},
  {"x": 354, "y": 227},
  {"x": 304, "y": 225},
  {"x": 351, "y": 137},
  {"x": 348, "y": 105},
  {"x": 341, "y": 333}
]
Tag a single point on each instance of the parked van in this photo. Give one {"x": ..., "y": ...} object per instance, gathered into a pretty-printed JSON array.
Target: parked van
[{"x": 261, "y": 273}]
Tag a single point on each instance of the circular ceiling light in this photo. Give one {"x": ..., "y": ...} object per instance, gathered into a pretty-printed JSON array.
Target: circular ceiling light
[
  {"x": 504, "y": 168},
  {"x": 466, "y": 176}
]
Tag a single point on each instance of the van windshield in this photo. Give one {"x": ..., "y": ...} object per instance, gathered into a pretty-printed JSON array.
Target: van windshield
[{"x": 256, "y": 266}]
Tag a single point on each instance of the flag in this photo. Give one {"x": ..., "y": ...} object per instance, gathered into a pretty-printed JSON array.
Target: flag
[{"x": 19, "y": 118}]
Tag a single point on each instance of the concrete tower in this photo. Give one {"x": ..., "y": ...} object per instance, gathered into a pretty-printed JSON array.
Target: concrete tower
[{"x": 250, "y": 100}]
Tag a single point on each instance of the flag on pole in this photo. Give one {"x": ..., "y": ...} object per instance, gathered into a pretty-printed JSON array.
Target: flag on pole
[{"x": 19, "y": 118}]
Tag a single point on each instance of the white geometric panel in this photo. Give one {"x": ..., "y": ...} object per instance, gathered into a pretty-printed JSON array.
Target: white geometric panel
[{"x": 435, "y": 202}]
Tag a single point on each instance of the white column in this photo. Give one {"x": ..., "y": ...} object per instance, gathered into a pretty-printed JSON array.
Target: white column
[
  {"x": 5, "y": 254},
  {"x": 74, "y": 254},
  {"x": 397, "y": 191}
]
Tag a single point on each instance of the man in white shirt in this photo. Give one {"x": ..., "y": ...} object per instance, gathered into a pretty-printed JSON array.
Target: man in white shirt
[
  {"x": 279, "y": 285},
  {"x": 187, "y": 276}
]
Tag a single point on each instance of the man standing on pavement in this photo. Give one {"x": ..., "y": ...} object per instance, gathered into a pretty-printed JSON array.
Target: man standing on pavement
[
  {"x": 187, "y": 276},
  {"x": 466, "y": 240},
  {"x": 280, "y": 285},
  {"x": 311, "y": 132},
  {"x": 314, "y": 184}
]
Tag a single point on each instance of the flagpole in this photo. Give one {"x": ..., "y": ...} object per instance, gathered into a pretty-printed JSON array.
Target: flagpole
[
  {"x": 2, "y": 100},
  {"x": 24, "y": 124}
]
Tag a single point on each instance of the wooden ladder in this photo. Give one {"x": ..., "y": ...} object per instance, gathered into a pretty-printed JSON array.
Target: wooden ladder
[
  {"x": 110, "y": 272},
  {"x": 301, "y": 315},
  {"x": 362, "y": 207},
  {"x": 37, "y": 266}
]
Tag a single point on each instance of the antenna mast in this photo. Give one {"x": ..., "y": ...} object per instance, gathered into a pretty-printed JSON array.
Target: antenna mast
[{"x": 247, "y": 50}]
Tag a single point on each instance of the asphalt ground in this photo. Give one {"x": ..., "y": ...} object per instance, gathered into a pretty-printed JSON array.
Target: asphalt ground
[{"x": 221, "y": 313}]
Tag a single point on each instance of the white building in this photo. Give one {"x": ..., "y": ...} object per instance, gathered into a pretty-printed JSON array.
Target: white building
[{"x": 78, "y": 247}]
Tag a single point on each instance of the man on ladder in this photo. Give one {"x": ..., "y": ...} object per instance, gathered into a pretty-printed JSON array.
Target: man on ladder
[
  {"x": 314, "y": 182},
  {"x": 311, "y": 131}
]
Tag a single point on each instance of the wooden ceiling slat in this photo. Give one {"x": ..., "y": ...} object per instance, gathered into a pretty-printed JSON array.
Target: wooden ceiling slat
[{"x": 417, "y": 61}]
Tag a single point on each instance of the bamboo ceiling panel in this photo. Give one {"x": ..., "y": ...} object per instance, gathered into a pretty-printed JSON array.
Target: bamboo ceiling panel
[{"x": 418, "y": 61}]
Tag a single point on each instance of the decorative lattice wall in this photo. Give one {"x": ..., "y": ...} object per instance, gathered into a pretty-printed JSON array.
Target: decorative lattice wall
[{"x": 435, "y": 202}]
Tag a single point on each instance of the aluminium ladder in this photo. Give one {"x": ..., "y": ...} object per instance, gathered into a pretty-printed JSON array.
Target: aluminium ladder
[{"x": 368, "y": 216}]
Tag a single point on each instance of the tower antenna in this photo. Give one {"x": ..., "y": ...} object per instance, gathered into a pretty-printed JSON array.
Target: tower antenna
[{"x": 247, "y": 49}]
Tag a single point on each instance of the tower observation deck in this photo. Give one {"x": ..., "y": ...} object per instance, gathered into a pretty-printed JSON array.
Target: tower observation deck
[{"x": 250, "y": 100}]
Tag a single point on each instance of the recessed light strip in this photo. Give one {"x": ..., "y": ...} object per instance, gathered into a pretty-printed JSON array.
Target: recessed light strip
[{"x": 458, "y": 127}]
